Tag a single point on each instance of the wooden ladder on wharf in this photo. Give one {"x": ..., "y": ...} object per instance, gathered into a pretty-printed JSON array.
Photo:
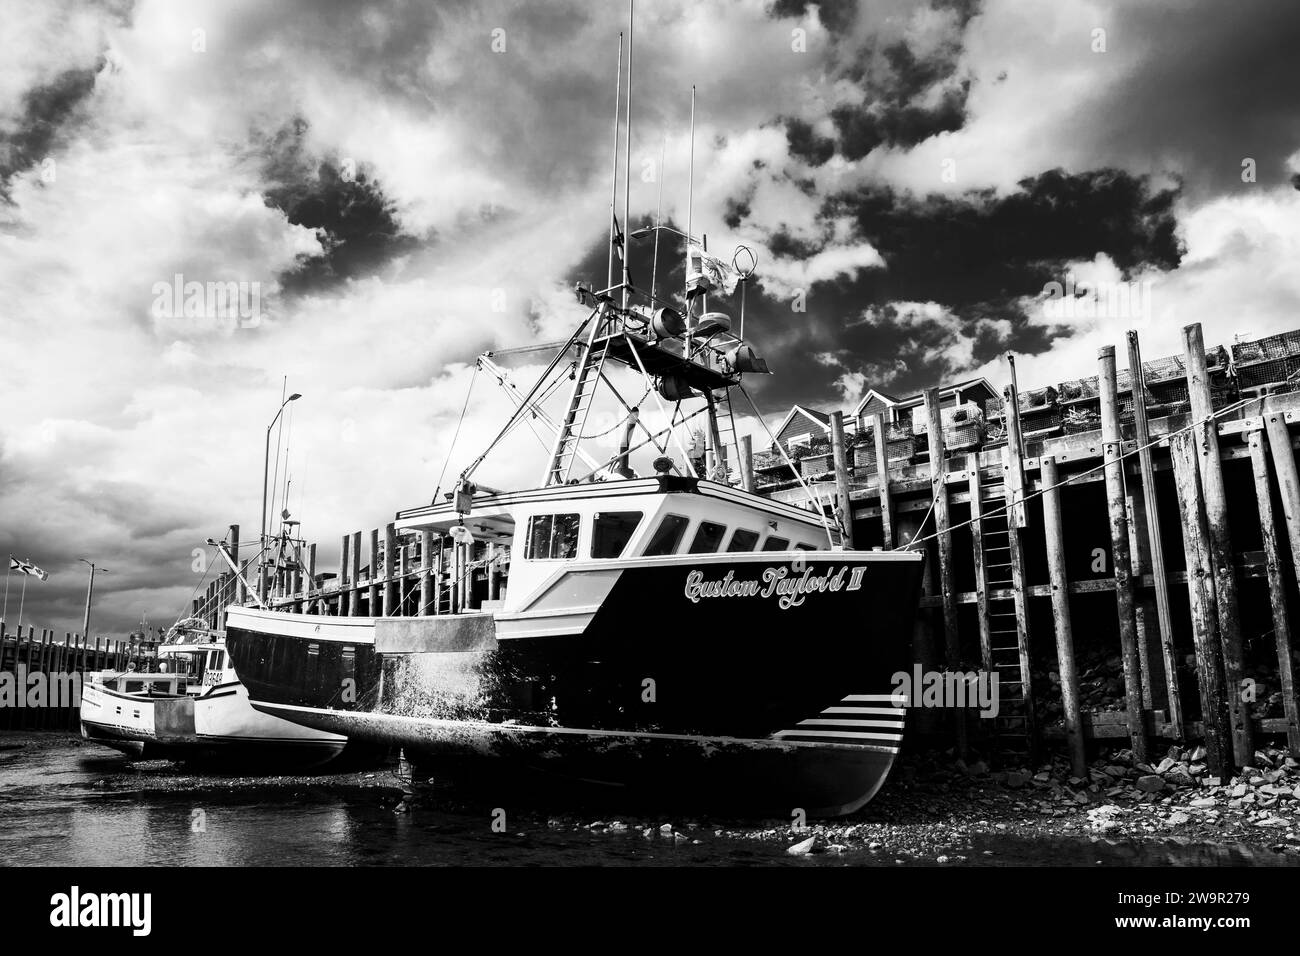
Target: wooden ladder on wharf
[{"x": 1003, "y": 647}]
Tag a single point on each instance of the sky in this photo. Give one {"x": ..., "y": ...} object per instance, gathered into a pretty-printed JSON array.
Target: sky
[{"x": 395, "y": 188}]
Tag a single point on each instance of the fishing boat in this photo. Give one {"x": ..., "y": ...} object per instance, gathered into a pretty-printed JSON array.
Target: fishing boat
[
  {"x": 192, "y": 706},
  {"x": 656, "y": 627}
]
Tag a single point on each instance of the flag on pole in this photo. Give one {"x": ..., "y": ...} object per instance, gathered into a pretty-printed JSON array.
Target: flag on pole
[
  {"x": 708, "y": 273},
  {"x": 616, "y": 239},
  {"x": 26, "y": 567}
]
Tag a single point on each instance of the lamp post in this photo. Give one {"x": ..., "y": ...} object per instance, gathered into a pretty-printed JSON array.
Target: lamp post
[
  {"x": 266, "y": 470},
  {"x": 90, "y": 590}
]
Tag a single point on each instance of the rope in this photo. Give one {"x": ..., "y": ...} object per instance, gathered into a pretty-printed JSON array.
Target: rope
[
  {"x": 1065, "y": 481},
  {"x": 456, "y": 434}
]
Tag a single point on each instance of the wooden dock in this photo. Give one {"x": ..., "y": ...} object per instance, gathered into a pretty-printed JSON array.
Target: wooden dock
[{"x": 1132, "y": 513}]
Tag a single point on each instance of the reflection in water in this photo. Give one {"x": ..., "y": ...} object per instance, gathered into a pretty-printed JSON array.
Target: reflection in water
[{"x": 52, "y": 813}]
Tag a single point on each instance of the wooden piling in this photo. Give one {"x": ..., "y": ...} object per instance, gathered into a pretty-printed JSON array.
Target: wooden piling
[
  {"x": 1054, "y": 531},
  {"x": 241, "y": 591},
  {"x": 882, "y": 478},
  {"x": 747, "y": 462},
  {"x": 1200, "y": 588},
  {"x": 400, "y": 601},
  {"x": 977, "y": 548},
  {"x": 426, "y": 572},
  {"x": 374, "y": 609},
  {"x": 1013, "y": 455},
  {"x": 353, "y": 596},
  {"x": 1155, "y": 546},
  {"x": 1206, "y": 430},
  {"x": 840, "y": 458},
  {"x": 388, "y": 601},
  {"x": 1121, "y": 560},
  {"x": 943, "y": 526},
  {"x": 493, "y": 571},
  {"x": 345, "y": 580},
  {"x": 1257, "y": 441},
  {"x": 1288, "y": 481}
]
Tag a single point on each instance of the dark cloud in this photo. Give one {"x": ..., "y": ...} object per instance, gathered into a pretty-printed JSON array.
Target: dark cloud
[
  {"x": 1219, "y": 87},
  {"x": 978, "y": 256},
  {"x": 836, "y": 15},
  {"x": 46, "y": 109},
  {"x": 355, "y": 222}
]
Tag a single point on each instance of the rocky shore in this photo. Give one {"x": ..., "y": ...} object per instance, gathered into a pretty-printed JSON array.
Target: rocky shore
[{"x": 935, "y": 809}]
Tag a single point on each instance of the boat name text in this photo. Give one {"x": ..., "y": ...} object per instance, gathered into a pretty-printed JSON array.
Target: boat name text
[{"x": 790, "y": 588}]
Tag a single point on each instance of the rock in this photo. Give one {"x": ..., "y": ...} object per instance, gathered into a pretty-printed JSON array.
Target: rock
[
  {"x": 1180, "y": 778},
  {"x": 1166, "y": 765},
  {"x": 1150, "y": 783},
  {"x": 1116, "y": 771},
  {"x": 1239, "y": 791},
  {"x": 1203, "y": 803},
  {"x": 1197, "y": 769},
  {"x": 978, "y": 769},
  {"x": 803, "y": 847},
  {"x": 1016, "y": 779},
  {"x": 681, "y": 837},
  {"x": 1213, "y": 781},
  {"x": 666, "y": 829},
  {"x": 833, "y": 848},
  {"x": 942, "y": 859},
  {"x": 1043, "y": 777},
  {"x": 1197, "y": 754},
  {"x": 1178, "y": 818}
]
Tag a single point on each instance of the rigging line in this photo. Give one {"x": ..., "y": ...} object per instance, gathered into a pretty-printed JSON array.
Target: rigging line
[
  {"x": 460, "y": 421},
  {"x": 659, "y": 209},
  {"x": 779, "y": 447},
  {"x": 288, "y": 443},
  {"x": 279, "y": 431},
  {"x": 1077, "y": 475},
  {"x": 528, "y": 398}
]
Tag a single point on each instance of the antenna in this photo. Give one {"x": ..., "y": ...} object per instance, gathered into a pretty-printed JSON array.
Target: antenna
[
  {"x": 627, "y": 151},
  {"x": 613, "y": 186},
  {"x": 690, "y": 192},
  {"x": 659, "y": 211}
]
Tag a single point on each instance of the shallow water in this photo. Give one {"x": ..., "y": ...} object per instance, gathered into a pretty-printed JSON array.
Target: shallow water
[{"x": 53, "y": 813}]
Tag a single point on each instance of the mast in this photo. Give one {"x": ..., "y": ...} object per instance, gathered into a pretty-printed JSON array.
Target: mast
[
  {"x": 613, "y": 186},
  {"x": 627, "y": 155}
]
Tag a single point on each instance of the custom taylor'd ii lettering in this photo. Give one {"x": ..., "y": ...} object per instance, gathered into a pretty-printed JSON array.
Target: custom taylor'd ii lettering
[{"x": 782, "y": 583}]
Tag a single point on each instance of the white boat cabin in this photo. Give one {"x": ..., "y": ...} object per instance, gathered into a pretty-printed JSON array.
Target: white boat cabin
[{"x": 582, "y": 527}]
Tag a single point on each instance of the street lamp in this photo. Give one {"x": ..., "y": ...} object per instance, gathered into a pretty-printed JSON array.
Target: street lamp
[
  {"x": 90, "y": 589},
  {"x": 266, "y": 470}
]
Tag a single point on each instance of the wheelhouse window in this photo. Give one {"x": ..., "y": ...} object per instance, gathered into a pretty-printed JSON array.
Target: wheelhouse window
[
  {"x": 743, "y": 540},
  {"x": 668, "y": 535},
  {"x": 708, "y": 538},
  {"x": 776, "y": 544},
  {"x": 611, "y": 531},
  {"x": 552, "y": 536},
  {"x": 805, "y": 547}
]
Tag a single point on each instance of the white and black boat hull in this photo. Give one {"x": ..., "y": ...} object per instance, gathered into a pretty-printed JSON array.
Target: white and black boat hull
[{"x": 765, "y": 700}]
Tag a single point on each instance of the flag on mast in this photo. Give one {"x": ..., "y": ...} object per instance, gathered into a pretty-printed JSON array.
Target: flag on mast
[{"x": 708, "y": 273}]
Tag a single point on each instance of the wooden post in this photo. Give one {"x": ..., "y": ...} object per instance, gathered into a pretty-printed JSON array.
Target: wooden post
[
  {"x": 374, "y": 609},
  {"x": 387, "y": 602},
  {"x": 440, "y": 559},
  {"x": 1206, "y": 431},
  {"x": 747, "y": 462},
  {"x": 426, "y": 572},
  {"x": 943, "y": 526},
  {"x": 939, "y": 498},
  {"x": 399, "y": 601},
  {"x": 977, "y": 549},
  {"x": 310, "y": 591},
  {"x": 842, "y": 476},
  {"x": 353, "y": 596},
  {"x": 493, "y": 572},
  {"x": 1276, "y": 587},
  {"x": 1013, "y": 464},
  {"x": 882, "y": 479},
  {"x": 1054, "y": 530},
  {"x": 1159, "y": 572},
  {"x": 1200, "y": 588},
  {"x": 1121, "y": 561},
  {"x": 241, "y": 592},
  {"x": 346, "y": 583}
]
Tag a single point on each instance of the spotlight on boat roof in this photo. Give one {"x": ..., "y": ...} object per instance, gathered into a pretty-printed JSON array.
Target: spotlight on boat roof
[
  {"x": 713, "y": 322},
  {"x": 740, "y": 358},
  {"x": 667, "y": 323},
  {"x": 662, "y": 465}
]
